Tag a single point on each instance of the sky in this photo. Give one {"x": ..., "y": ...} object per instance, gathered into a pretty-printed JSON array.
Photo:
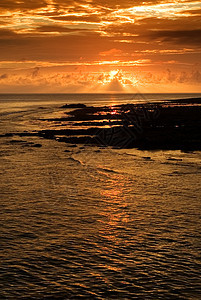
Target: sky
[{"x": 91, "y": 46}]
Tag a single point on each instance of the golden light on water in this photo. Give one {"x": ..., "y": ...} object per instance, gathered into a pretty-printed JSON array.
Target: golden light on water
[{"x": 115, "y": 209}]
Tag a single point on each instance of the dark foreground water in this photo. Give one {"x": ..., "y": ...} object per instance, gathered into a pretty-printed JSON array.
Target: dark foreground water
[{"x": 95, "y": 223}]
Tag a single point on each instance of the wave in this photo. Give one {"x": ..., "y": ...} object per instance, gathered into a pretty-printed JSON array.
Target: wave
[
  {"x": 77, "y": 160},
  {"x": 107, "y": 170}
]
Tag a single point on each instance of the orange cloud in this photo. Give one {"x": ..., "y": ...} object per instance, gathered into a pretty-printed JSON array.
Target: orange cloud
[
  {"x": 98, "y": 35},
  {"x": 113, "y": 81},
  {"x": 111, "y": 52}
]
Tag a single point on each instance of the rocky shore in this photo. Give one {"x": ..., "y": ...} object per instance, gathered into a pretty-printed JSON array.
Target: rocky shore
[{"x": 171, "y": 125}]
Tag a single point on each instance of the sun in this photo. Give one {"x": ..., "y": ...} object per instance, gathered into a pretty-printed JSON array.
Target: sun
[
  {"x": 118, "y": 80},
  {"x": 110, "y": 76},
  {"x": 113, "y": 73}
]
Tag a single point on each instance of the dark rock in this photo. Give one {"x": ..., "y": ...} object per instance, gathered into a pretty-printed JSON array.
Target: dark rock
[
  {"x": 18, "y": 141},
  {"x": 175, "y": 159},
  {"x": 74, "y": 105},
  {"x": 171, "y": 125},
  {"x": 7, "y": 135}
]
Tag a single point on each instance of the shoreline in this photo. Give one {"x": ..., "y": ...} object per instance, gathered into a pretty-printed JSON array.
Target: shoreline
[{"x": 169, "y": 125}]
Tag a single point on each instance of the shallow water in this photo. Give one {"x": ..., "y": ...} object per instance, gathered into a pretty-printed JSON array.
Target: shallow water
[{"x": 96, "y": 223}]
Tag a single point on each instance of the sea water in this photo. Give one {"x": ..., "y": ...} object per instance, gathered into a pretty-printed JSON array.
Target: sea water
[{"x": 91, "y": 222}]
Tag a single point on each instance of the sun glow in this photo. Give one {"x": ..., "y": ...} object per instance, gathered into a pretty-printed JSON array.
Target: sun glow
[
  {"x": 117, "y": 81},
  {"x": 125, "y": 79},
  {"x": 100, "y": 46},
  {"x": 113, "y": 73}
]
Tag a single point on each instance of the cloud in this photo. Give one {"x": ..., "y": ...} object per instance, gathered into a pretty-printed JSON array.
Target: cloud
[
  {"x": 99, "y": 34},
  {"x": 109, "y": 4},
  {"x": 3, "y": 76},
  {"x": 66, "y": 82},
  {"x": 185, "y": 37},
  {"x": 7, "y": 34},
  {"x": 114, "y": 86},
  {"x": 56, "y": 28},
  {"x": 77, "y": 18},
  {"x": 196, "y": 76},
  {"x": 112, "y": 81},
  {"x": 15, "y": 4},
  {"x": 171, "y": 77},
  {"x": 144, "y": 27},
  {"x": 111, "y": 52},
  {"x": 35, "y": 72},
  {"x": 193, "y": 12}
]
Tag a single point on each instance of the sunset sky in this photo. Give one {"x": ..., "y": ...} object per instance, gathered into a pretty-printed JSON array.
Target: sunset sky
[{"x": 100, "y": 46}]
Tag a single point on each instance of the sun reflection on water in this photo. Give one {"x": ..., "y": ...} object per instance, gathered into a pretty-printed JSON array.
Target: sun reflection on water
[{"x": 115, "y": 211}]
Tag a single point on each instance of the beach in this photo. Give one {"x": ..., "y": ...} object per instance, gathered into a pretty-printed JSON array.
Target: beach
[{"x": 100, "y": 201}]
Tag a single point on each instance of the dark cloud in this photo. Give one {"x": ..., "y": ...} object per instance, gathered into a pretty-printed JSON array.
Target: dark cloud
[
  {"x": 24, "y": 4},
  {"x": 54, "y": 48},
  {"x": 55, "y": 28},
  {"x": 185, "y": 37},
  {"x": 183, "y": 30},
  {"x": 87, "y": 18},
  {"x": 35, "y": 4},
  {"x": 183, "y": 77},
  {"x": 196, "y": 76},
  {"x": 35, "y": 72},
  {"x": 105, "y": 3},
  {"x": 193, "y": 12},
  {"x": 4, "y": 22},
  {"x": 193, "y": 22},
  {"x": 143, "y": 26},
  {"x": 5, "y": 33},
  {"x": 3, "y": 76},
  {"x": 10, "y": 39}
]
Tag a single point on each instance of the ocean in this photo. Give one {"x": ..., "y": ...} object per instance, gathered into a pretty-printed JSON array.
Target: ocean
[{"x": 90, "y": 222}]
